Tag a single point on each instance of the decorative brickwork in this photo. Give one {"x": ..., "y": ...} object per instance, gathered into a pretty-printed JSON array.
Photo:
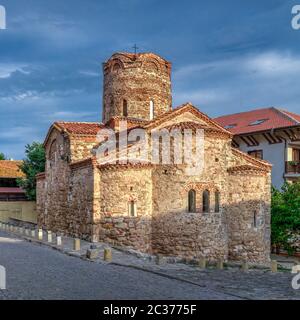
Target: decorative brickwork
[
  {"x": 133, "y": 82},
  {"x": 146, "y": 206}
]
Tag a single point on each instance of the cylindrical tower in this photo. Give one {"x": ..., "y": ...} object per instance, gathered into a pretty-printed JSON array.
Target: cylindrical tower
[{"x": 136, "y": 86}]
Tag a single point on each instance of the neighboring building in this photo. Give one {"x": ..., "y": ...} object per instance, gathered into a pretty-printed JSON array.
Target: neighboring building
[
  {"x": 271, "y": 134},
  {"x": 14, "y": 205},
  {"x": 9, "y": 173},
  {"x": 221, "y": 212}
]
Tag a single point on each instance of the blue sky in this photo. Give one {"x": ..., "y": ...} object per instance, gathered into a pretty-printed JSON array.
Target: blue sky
[{"x": 228, "y": 56}]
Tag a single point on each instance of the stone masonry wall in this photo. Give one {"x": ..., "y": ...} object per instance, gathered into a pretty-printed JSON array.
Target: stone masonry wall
[
  {"x": 192, "y": 235},
  {"x": 248, "y": 217},
  {"x": 114, "y": 224},
  {"x": 65, "y": 196},
  {"x": 138, "y": 80}
]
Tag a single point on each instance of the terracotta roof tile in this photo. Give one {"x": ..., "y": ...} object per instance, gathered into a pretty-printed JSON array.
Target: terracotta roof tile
[
  {"x": 186, "y": 107},
  {"x": 246, "y": 168},
  {"x": 80, "y": 128},
  {"x": 258, "y": 120},
  {"x": 10, "y": 169}
]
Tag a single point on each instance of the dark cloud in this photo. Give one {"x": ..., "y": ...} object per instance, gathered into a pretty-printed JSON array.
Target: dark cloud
[{"x": 227, "y": 56}]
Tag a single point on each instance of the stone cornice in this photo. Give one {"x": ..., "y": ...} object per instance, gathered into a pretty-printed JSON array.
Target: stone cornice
[
  {"x": 247, "y": 169},
  {"x": 89, "y": 162},
  {"x": 256, "y": 162}
]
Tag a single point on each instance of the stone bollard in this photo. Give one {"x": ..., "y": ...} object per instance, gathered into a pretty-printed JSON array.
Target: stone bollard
[
  {"x": 202, "y": 263},
  {"x": 49, "y": 236},
  {"x": 76, "y": 246},
  {"x": 40, "y": 234},
  {"x": 33, "y": 233},
  {"x": 220, "y": 264},
  {"x": 58, "y": 241},
  {"x": 274, "y": 266},
  {"x": 159, "y": 259},
  {"x": 245, "y": 266},
  {"x": 92, "y": 253},
  {"x": 296, "y": 269},
  {"x": 107, "y": 255}
]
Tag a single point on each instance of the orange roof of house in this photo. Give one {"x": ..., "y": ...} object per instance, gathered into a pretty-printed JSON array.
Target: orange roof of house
[
  {"x": 10, "y": 169},
  {"x": 258, "y": 120},
  {"x": 80, "y": 128}
]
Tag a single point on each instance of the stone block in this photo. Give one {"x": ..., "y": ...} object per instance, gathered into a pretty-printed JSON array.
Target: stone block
[
  {"x": 245, "y": 266},
  {"x": 76, "y": 244},
  {"x": 274, "y": 266},
  {"x": 49, "y": 236},
  {"x": 58, "y": 241},
  {"x": 40, "y": 234},
  {"x": 296, "y": 269},
  {"x": 92, "y": 254},
  {"x": 107, "y": 255},
  {"x": 202, "y": 263},
  {"x": 220, "y": 264}
]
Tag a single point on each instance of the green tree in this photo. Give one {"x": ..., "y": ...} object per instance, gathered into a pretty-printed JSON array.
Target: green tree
[
  {"x": 2, "y": 156},
  {"x": 285, "y": 215},
  {"x": 33, "y": 164}
]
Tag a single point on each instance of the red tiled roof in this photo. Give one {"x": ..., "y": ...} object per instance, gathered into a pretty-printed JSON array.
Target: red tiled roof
[
  {"x": 271, "y": 118},
  {"x": 11, "y": 190},
  {"x": 10, "y": 169},
  {"x": 80, "y": 128}
]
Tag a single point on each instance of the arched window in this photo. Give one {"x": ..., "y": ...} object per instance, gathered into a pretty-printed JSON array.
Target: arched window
[
  {"x": 132, "y": 209},
  {"x": 116, "y": 67},
  {"x": 125, "y": 108},
  {"x": 217, "y": 201},
  {"x": 192, "y": 201},
  {"x": 206, "y": 200},
  {"x": 255, "y": 219},
  {"x": 151, "y": 110}
]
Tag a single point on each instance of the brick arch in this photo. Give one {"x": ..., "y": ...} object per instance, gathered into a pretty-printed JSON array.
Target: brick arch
[
  {"x": 200, "y": 187},
  {"x": 116, "y": 65},
  {"x": 151, "y": 65}
]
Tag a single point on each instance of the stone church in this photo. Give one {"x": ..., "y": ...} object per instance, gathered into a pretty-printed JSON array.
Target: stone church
[{"x": 222, "y": 212}]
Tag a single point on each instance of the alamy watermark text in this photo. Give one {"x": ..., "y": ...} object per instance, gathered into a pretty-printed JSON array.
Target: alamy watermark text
[{"x": 2, "y": 18}]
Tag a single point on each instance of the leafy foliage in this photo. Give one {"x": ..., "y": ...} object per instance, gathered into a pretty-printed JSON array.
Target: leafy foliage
[
  {"x": 2, "y": 156},
  {"x": 285, "y": 215},
  {"x": 32, "y": 165}
]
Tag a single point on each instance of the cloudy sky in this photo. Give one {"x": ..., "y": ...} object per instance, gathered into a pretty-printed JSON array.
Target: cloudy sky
[{"x": 228, "y": 56}]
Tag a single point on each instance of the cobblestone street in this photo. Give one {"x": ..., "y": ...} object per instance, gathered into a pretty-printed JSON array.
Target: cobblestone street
[{"x": 38, "y": 272}]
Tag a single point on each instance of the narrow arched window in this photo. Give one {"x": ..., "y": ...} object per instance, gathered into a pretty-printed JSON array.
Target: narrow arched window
[
  {"x": 217, "y": 201},
  {"x": 192, "y": 201},
  {"x": 132, "y": 209},
  {"x": 255, "y": 219},
  {"x": 206, "y": 196},
  {"x": 151, "y": 110},
  {"x": 125, "y": 108}
]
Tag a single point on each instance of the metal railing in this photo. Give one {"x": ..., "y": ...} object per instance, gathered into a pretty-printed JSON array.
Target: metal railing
[{"x": 292, "y": 167}]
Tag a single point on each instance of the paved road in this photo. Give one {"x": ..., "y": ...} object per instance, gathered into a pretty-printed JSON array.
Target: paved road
[{"x": 38, "y": 272}]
